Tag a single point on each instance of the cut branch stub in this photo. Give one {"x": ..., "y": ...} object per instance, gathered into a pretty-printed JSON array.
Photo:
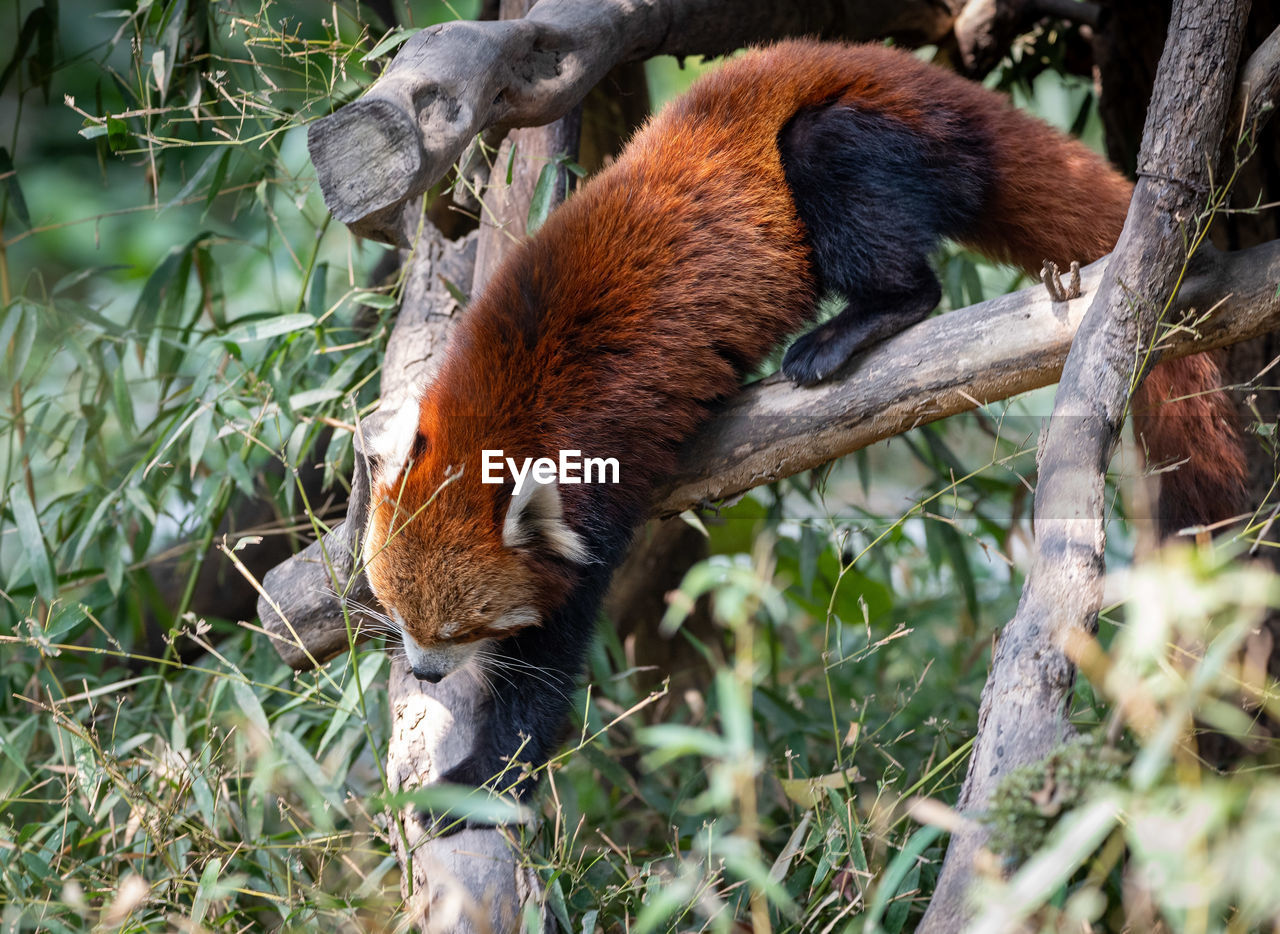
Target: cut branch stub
[{"x": 447, "y": 84}]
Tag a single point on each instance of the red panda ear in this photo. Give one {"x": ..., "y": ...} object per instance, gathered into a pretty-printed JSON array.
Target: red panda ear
[
  {"x": 535, "y": 517},
  {"x": 392, "y": 440}
]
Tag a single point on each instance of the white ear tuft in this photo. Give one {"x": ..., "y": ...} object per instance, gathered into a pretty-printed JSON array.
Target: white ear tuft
[
  {"x": 390, "y": 440},
  {"x": 535, "y": 515},
  {"x": 518, "y": 618}
]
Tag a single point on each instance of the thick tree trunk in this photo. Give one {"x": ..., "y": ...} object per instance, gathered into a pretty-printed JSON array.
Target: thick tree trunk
[
  {"x": 1126, "y": 49},
  {"x": 1027, "y": 696}
]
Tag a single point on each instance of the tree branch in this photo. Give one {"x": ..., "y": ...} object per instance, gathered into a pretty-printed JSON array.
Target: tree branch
[
  {"x": 1259, "y": 86},
  {"x": 450, "y": 82},
  {"x": 473, "y": 880},
  {"x": 771, "y": 430},
  {"x": 1027, "y": 695},
  {"x": 947, "y": 364}
]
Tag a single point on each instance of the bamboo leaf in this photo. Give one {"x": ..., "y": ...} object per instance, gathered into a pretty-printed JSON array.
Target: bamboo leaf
[
  {"x": 123, "y": 399},
  {"x": 33, "y": 543},
  {"x": 249, "y": 704},
  {"x": 391, "y": 41},
  {"x": 891, "y": 883},
  {"x": 37, "y": 21},
  {"x": 13, "y": 190},
  {"x": 543, "y": 199},
  {"x": 808, "y": 792},
  {"x": 455, "y": 292},
  {"x": 19, "y": 348},
  {"x": 219, "y": 175},
  {"x": 242, "y": 333},
  {"x": 367, "y": 671},
  {"x": 206, "y": 891}
]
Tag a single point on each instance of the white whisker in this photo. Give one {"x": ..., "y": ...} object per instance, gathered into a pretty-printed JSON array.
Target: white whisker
[
  {"x": 507, "y": 668},
  {"x": 480, "y": 676},
  {"x": 351, "y": 604}
]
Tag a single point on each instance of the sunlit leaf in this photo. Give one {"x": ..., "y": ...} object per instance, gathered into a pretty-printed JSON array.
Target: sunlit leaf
[
  {"x": 808, "y": 792},
  {"x": 243, "y": 333}
]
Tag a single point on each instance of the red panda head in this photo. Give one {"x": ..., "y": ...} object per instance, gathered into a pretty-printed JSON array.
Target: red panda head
[{"x": 455, "y": 562}]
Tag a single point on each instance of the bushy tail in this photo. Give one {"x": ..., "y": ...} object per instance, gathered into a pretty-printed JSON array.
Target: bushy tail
[
  {"x": 1188, "y": 429},
  {"x": 1059, "y": 201}
]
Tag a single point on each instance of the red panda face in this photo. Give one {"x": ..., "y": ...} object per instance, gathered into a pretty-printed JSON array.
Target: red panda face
[
  {"x": 457, "y": 563},
  {"x": 444, "y": 584}
]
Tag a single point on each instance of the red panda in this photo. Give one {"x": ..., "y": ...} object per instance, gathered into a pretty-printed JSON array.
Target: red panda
[{"x": 794, "y": 170}]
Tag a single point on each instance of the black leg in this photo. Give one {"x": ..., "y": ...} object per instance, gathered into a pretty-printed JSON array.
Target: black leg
[
  {"x": 523, "y": 719},
  {"x": 876, "y": 195},
  {"x": 820, "y": 353}
]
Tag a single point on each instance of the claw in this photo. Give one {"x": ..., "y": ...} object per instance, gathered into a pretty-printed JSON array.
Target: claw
[{"x": 811, "y": 359}]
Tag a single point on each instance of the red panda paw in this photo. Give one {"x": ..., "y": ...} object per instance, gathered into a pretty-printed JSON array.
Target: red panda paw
[{"x": 816, "y": 355}]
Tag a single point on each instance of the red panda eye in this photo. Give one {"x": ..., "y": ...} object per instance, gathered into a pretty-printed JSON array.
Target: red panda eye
[{"x": 420, "y": 446}]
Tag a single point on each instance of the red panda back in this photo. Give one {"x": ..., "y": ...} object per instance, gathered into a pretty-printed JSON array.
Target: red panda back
[{"x": 681, "y": 266}]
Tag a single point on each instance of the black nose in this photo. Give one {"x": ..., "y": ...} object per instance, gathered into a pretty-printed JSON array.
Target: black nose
[{"x": 432, "y": 677}]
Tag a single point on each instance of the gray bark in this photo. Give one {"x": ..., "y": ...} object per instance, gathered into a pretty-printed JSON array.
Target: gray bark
[
  {"x": 472, "y": 881},
  {"x": 1258, "y": 90},
  {"x": 506, "y": 205},
  {"x": 1025, "y": 702}
]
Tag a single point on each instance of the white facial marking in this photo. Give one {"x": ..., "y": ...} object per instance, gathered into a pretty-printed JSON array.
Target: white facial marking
[
  {"x": 393, "y": 441},
  {"x": 438, "y": 660},
  {"x": 516, "y": 619},
  {"x": 535, "y": 513}
]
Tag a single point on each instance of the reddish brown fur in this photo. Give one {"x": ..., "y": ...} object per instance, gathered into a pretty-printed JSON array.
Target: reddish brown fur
[
  {"x": 1187, "y": 427},
  {"x": 633, "y": 311}
]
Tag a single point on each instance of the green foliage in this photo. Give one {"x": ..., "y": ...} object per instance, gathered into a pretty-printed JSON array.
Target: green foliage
[
  {"x": 181, "y": 330},
  {"x": 215, "y": 792},
  {"x": 773, "y": 786},
  {"x": 184, "y": 331},
  {"x": 1031, "y": 799},
  {"x": 1165, "y": 837}
]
